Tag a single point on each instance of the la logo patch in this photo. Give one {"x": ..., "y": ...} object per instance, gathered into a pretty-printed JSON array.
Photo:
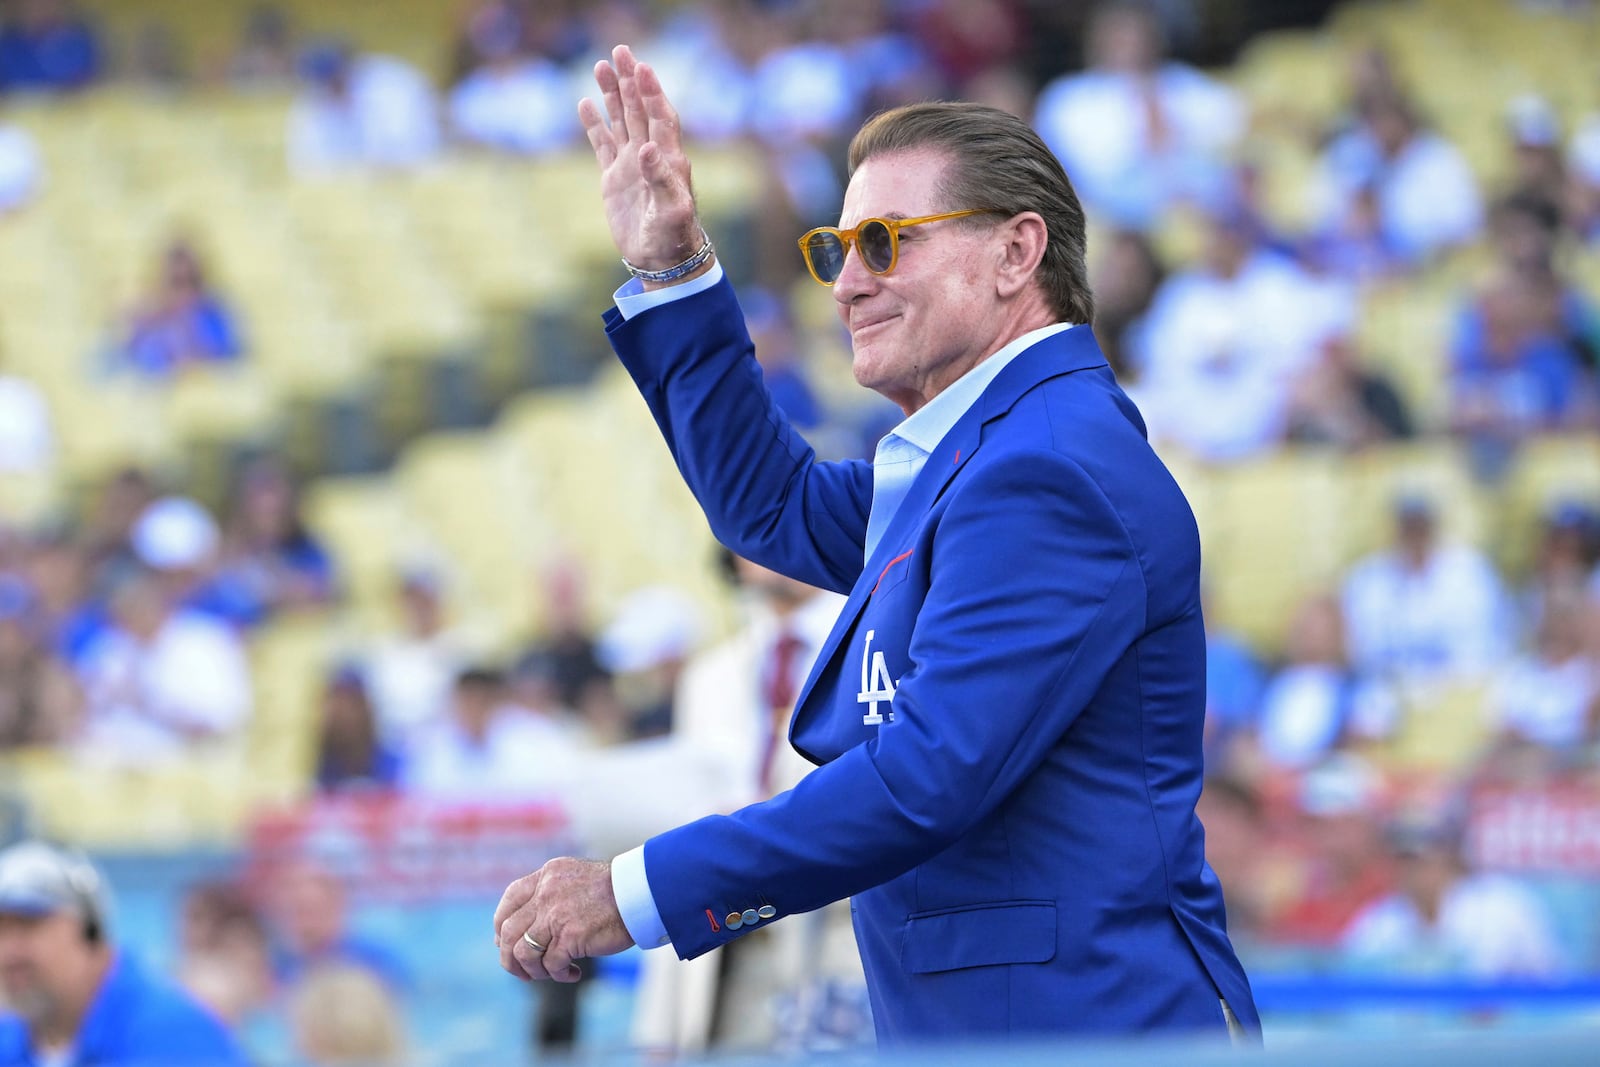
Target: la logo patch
[{"x": 876, "y": 685}]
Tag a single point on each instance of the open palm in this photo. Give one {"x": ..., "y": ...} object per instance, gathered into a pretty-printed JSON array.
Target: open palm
[{"x": 644, "y": 174}]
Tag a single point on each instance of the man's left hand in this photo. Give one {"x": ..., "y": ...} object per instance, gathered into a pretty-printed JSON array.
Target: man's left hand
[{"x": 568, "y": 907}]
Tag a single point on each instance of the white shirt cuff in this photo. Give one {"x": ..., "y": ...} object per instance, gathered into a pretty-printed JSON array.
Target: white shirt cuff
[
  {"x": 632, "y": 298},
  {"x": 631, "y": 887}
]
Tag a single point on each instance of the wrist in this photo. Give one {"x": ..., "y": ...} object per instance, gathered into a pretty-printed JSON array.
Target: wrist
[{"x": 694, "y": 263}]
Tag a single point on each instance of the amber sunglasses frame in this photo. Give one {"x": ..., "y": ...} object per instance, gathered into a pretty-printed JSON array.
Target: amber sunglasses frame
[{"x": 852, "y": 236}]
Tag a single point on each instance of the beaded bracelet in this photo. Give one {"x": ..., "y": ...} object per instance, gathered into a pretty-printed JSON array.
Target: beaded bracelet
[{"x": 688, "y": 266}]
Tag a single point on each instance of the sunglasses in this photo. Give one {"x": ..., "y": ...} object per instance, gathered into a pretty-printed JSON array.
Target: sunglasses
[{"x": 877, "y": 242}]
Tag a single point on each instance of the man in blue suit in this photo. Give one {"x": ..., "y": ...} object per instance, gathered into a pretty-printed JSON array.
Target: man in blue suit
[{"x": 1007, "y": 715}]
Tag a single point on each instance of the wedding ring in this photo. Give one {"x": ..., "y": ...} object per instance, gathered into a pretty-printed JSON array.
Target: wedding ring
[{"x": 527, "y": 939}]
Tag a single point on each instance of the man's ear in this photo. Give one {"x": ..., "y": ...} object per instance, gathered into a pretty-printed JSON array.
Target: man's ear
[{"x": 1025, "y": 237}]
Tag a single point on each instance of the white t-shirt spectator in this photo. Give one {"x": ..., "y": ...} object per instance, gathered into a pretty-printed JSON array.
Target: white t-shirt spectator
[
  {"x": 1447, "y": 618},
  {"x": 410, "y": 680},
  {"x": 388, "y": 118},
  {"x": 1488, "y": 927},
  {"x": 1218, "y": 356},
  {"x": 526, "y": 109},
  {"x": 27, "y": 442},
  {"x": 20, "y": 170},
  {"x": 145, "y": 702},
  {"x": 522, "y": 754},
  {"x": 1099, "y": 124},
  {"x": 1427, "y": 197},
  {"x": 1546, "y": 703}
]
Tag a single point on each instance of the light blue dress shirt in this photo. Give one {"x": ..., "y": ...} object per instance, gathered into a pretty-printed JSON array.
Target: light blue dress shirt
[{"x": 900, "y": 457}]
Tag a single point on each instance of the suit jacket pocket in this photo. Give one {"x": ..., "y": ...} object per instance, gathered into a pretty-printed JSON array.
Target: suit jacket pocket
[{"x": 982, "y": 935}]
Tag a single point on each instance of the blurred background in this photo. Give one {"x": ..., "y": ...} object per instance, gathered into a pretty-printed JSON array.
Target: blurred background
[{"x": 343, "y": 578}]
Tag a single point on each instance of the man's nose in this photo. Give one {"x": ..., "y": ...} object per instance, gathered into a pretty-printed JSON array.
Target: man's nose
[{"x": 854, "y": 278}]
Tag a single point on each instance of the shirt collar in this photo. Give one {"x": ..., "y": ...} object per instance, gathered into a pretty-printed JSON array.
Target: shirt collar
[{"x": 926, "y": 427}]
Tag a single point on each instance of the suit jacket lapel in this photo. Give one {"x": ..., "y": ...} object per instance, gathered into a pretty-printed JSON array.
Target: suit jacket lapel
[{"x": 1069, "y": 351}]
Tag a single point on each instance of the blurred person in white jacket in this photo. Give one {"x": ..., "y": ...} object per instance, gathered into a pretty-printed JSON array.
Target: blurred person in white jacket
[{"x": 734, "y": 702}]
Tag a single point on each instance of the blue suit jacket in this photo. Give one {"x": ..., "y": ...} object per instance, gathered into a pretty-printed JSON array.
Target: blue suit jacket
[{"x": 1007, "y": 715}]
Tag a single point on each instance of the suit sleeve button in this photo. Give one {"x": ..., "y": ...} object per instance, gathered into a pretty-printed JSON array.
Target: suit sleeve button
[
  {"x": 750, "y": 916},
  {"x": 733, "y": 921},
  {"x": 766, "y": 911}
]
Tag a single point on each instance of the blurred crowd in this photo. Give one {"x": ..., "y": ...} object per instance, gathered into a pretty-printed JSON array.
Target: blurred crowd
[{"x": 125, "y": 635}]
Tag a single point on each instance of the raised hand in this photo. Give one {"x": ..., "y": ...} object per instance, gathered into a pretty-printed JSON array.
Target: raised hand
[{"x": 644, "y": 175}]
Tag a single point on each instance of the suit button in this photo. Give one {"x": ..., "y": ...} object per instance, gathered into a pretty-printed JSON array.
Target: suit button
[
  {"x": 766, "y": 911},
  {"x": 750, "y": 917},
  {"x": 733, "y": 921}
]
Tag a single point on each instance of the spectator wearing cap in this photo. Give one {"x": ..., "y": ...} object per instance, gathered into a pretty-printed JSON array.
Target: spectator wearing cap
[
  {"x": 176, "y": 539},
  {"x": 68, "y": 995},
  {"x": 513, "y": 100},
  {"x": 1582, "y": 199},
  {"x": 160, "y": 678},
  {"x": 1446, "y": 919},
  {"x": 1533, "y": 132},
  {"x": 183, "y": 323},
  {"x": 357, "y": 111},
  {"x": 1135, "y": 131},
  {"x": 1426, "y": 199},
  {"x": 351, "y": 756},
  {"x": 1421, "y": 609}
]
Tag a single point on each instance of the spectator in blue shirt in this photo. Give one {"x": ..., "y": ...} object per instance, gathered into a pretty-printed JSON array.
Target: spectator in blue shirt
[
  {"x": 270, "y": 560},
  {"x": 350, "y": 754},
  {"x": 47, "y": 46},
  {"x": 184, "y": 323},
  {"x": 73, "y": 998}
]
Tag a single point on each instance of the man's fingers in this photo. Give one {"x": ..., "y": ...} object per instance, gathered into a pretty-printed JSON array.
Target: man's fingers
[
  {"x": 605, "y": 76},
  {"x": 633, "y": 116},
  {"x": 594, "y": 126},
  {"x": 529, "y": 961},
  {"x": 516, "y": 897},
  {"x": 557, "y": 964},
  {"x": 664, "y": 126}
]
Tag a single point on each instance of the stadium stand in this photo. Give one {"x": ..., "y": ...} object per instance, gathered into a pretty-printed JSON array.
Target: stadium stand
[{"x": 422, "y": 348}]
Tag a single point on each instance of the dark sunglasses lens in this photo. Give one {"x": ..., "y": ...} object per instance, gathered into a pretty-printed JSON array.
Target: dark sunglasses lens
[
  {"x": 826, "y": 253},
  {"x": 877, "y": 246}
]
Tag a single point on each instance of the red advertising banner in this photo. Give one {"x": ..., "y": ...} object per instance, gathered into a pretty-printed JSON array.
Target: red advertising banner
[
  {"x": 1553, "y": 829},
  {"x": 393, "y": 848}
]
